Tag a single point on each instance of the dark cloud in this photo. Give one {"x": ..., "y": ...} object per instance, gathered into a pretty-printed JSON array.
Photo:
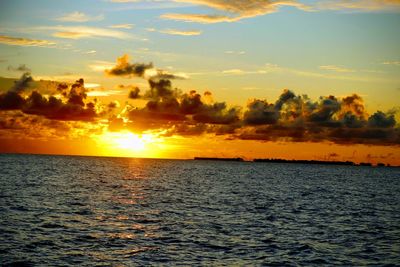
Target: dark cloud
[
  {"x": 381, "y": 120},
  {"x": 22, "y": 83},
  {"x": 113, "y": 105},
  {"x": 161, "y": 74},
  {"x": 322, "y": 115},
  {"x": 167, "y": 104},
  {"x": 217, "y": 113},
  {"x": 72, "y": 107},
  {"x": 260, "y": 112},
  {"x": 191, "y": 103},
  {"x": 124, "y": 68},
  {"x": 16, "y": 124},
  {"x": 11, "y": 100},
  {"x": 134, "y": 93},
  {"x": 21, "y": 67},
  {"x": 297, "y": 118}
]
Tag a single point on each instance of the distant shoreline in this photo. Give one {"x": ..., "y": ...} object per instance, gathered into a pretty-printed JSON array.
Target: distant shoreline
[
  {"x": 238, "y": 159},
  {"x": 316, "y": 162}
]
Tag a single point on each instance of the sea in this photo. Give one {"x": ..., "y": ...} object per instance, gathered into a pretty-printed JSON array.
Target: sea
[{"x": 97, "y": 211}]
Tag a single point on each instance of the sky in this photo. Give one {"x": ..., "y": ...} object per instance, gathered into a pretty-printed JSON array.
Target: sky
[{"x": 294, "y": 79}]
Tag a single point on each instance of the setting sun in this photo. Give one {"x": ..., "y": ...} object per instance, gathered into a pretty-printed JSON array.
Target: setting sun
[
  {"x": 200, "y": 132},
  {"x": 129, "y": 144}
]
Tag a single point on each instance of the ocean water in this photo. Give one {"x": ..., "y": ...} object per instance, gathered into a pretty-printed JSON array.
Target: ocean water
[{"x": 88, "y": 211}]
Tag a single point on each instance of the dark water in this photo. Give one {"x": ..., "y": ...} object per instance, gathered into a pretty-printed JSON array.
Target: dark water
[{"x": 85, "y": 211}]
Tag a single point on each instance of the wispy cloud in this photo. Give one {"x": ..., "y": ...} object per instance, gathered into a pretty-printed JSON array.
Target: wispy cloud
[
  {"x": 200, "y": 18},
  {"x": 234, "y": 72},
  {"x": 21, "y": 67},
  {"x": 101, "y": 66},
  {"x": 125, "y": 1},
  {"x": 181, "y": 32},
  {"x": 362, "y": 5},
  {"x": 230, "y": 52},
  {"x": 78, "y": 32},
  {"x": 9, "y": 40},
  {"x": 122, "y": 26},
  {"x": 396, "y": 63},
  {"x": 237, "y": 10},
  {"x": 79, "y": 17},
  {"x": 176, "y": 32},
  {"x": 335, "y": 68},
  {"x": 269, "y": 68}
]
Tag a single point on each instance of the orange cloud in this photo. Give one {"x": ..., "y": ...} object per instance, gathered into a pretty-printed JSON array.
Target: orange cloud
[{"x": 8, "y": 40}]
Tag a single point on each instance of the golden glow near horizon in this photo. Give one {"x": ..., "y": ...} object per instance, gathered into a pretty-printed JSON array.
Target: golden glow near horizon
[
  {"x": 232, "y": 79},
  {"x": 128, "y": 144}
]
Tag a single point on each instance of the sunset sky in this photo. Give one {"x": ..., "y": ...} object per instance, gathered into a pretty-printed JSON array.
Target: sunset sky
[{"x": 294, "y": 79}]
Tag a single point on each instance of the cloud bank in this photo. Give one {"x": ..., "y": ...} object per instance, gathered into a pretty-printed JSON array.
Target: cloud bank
[
  {"x": 171, "y": 111},
  {"x": 72, "y": 106},
  {"x": 290, "y": 118}
]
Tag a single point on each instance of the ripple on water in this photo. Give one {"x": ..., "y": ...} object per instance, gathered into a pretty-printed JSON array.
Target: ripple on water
[{"x": 85, "y": 211}]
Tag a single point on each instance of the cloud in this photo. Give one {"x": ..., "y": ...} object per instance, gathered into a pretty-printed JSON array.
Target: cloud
[
  {"x": 21, "y": 67},
  {"x": 230, "y": 52},
  {"x": 71, "y": 107},
  {"x": 381, "y": 120},
  {"x": 180, "y": 32},
  {"x": 297, "y": 118},
  {"x": 335, "y": 68},
  {"x": 200, "y": 18},
  {"x": 122, "y": 26},
  {"x": 234, "y": 72},
  {"x": 124, "y": 68},
  {"x": 22, "y": 83},
  {"x": 79, "y": 17},
  {"x": 273, "y": 68},
  {"x": 361, "y": 5},
  {"x": 163, "y": 107},
  {"x": 90, "y": 52},
  {"x": 395, "y": 63},
  {"x": 8, "y": 40},
  {"x": 167, "y": 106},
  {"x": 113, "y": 105},
  {"x": 100, "y": 66},
  {"x": 78, "y": 32},
  {"x": 290, "y": 118},
  {"x": 16, "y": 124},
  {"x": 134, "y": 93},
  {"x": 237, "y": 9}
]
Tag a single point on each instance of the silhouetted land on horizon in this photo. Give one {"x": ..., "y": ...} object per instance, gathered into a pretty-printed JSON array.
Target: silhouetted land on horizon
[
  {"x": 320, "y": 162},
  {"x": 324, "y": 162},
  {"x": 220, "y": 159}
]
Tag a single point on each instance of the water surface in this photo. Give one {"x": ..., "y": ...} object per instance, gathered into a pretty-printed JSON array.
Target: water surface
[{"x": 88, "y": 211}]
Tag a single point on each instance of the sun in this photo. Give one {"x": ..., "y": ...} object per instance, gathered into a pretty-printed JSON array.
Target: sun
[
  {"x": 128, "y": 141},
  {"x": 128, "y": 144}
]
